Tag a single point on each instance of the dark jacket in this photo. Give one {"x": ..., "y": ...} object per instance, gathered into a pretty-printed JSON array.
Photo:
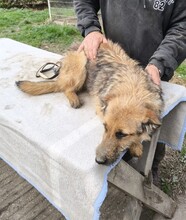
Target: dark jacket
[{"x": 150, "y": 31}]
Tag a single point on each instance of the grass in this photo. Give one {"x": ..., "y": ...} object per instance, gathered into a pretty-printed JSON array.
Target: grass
[
  {"x": 65, "y": 12},
  {"x": 33, "y": 28},
  {"x": 181, "y": 70},
  {"x": 183, "y": 152},
  {"x": 172, "y": 172}
]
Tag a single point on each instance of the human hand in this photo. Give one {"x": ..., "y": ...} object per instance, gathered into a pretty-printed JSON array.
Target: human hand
[
  {"x": 91, "y": 44},
  {"x": 154, "y": 73}
]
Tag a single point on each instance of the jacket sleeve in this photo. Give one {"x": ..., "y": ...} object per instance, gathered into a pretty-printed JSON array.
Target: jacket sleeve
[
  {"x": 87, "y": 18},
  {"x": 172, "y": 50}
]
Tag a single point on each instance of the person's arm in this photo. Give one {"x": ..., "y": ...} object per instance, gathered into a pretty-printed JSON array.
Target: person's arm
[
  {"x": 89, "y": 26},
  {"x": 172, "y": 51},
  {"x": 87, "y": 18}
]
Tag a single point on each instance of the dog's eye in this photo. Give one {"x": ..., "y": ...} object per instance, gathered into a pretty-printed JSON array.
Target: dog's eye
[{"x": 120, "y": 135}]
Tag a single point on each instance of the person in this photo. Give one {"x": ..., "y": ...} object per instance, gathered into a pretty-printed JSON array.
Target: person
[{"x": 152, "y": 32}]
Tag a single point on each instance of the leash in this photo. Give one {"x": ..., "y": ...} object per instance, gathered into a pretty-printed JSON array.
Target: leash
[{"x": 47, "y": 68}]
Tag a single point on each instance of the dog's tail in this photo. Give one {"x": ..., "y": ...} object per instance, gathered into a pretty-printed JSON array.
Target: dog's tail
[{"x": 38, "y": 88}]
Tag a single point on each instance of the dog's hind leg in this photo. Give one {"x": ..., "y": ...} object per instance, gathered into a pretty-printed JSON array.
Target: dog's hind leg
[{"x": 72, "y": 76}]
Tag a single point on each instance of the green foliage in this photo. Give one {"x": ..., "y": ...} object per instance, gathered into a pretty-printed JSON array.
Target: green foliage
[
  {"x": 17, "y": 18},
  {"x": 181, "y": 70},
  {"x": 183, "y": 152},
  {"x": 19, "y": 3},
  {"x": 166, "y": 186},
  {"x": 32, "y": 27}
]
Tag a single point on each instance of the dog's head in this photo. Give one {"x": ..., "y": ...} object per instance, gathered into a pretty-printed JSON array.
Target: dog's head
[{"x": 125, "y": 126}]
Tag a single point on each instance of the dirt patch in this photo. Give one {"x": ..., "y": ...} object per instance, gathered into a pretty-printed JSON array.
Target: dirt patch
[
  {"x": 173, "y": 173},
  {"x": 178, "y": 80},
  {"x": 55, "y": 48}
]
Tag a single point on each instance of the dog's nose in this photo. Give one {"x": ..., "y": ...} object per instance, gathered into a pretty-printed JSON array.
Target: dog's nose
[{"x": 101, "y": 160}]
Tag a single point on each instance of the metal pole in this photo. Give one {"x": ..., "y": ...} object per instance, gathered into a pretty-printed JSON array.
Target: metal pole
[{"x": 49, "y": 10}]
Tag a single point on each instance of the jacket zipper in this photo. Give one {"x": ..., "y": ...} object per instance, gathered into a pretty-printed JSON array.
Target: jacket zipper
[{"x": 144, "y": 3}]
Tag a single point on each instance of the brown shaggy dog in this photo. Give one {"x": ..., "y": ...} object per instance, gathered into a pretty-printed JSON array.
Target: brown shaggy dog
[{"x": 128, "y": 102}]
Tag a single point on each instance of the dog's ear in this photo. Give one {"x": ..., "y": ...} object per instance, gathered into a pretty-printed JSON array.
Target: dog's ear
[
  {"x": 104, "y": 102},
  {"x": 151, "y": 122},
  {"x": 103, "y": 105}
]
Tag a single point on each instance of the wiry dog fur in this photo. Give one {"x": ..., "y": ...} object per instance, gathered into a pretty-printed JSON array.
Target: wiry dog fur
[{"x": 128, "y": 102}]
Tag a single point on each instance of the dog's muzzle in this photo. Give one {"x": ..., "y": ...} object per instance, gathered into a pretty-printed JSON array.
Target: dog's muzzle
[{"x": 101, "y": 160}]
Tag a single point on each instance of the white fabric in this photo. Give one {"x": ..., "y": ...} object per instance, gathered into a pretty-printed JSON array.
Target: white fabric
[
  {"x": 52, "y": 145},
  {"x": 174, "y": 116}
]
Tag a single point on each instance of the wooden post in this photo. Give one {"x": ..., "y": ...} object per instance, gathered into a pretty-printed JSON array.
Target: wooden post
[
  {"x": 130, "y": 181},
  {"x": 133, "y": 209},
  {"x": 144, "y": 164}
]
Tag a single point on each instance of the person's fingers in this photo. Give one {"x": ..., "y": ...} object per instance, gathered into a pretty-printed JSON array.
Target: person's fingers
[
  {"x": 81, "y": 47},
  {"x": 94, "y": 49},
  {"x": 105, "y": 40},
  {"x": 94, "y": 53},
  {"x": 86, "y": 50},
  {"x": 91, "y": 44},
  {"x": 154, "y": 73},
  {"x": 155, "y": 80},
  {"x": 88, "y": 54},
  {"x": 91, "y": 50}
]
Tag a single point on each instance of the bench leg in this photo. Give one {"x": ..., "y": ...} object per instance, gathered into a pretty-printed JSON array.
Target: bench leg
[
  {"x": 133, "y": 209},
  {"x": 134, "y": 184}
]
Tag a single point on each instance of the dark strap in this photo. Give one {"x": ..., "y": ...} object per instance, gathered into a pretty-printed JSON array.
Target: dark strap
[{"x": 44, "y": 69}]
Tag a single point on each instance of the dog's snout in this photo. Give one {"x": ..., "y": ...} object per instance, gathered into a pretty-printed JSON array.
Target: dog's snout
[
  {"x": 101, "y": 155},
  {"x": 101, "y": 160}
]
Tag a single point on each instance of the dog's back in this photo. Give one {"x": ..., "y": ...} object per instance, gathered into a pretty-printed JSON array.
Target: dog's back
[{"x": 115, "y": 73}]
